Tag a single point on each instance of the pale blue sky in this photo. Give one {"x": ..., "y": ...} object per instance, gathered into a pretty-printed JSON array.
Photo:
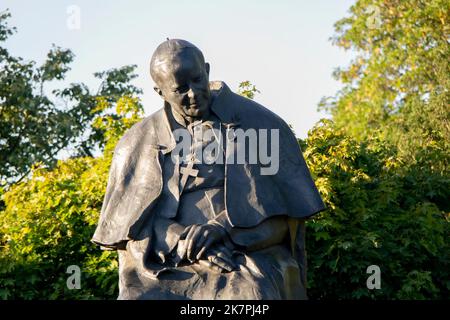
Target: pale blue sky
[{"x": 281, "y": 46}]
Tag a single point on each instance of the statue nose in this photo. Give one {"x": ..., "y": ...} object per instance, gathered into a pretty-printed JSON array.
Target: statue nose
[
  {"x": 191, "y": 94},
  {"x": 192, "y": 97}
]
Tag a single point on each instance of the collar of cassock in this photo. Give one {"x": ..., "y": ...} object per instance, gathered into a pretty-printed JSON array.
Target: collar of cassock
[{"x": 176, "y": 120}]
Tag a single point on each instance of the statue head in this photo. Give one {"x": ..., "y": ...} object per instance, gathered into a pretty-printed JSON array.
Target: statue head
[{"x": 181, "y": 77}]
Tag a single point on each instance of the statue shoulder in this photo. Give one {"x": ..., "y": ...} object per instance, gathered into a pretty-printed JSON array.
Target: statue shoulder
[
  {"x": 252, "y": 115},
  {"x": 255, "y": 115},
  {"x": 143, "y": 130}
]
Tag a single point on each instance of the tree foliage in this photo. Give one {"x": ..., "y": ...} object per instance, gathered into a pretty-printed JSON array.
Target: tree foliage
[
  {"x": 380, "y": 212},
  {"x": 248, "y": 90},
  {"x": 50, "y": 218},
  {"x": 35, "y": 125},
  {"x": 382, "y": 165},
  {"x": 400, "y": 75}
]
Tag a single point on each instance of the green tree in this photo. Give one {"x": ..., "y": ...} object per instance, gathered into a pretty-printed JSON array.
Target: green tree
[
  {"x": 379, "y": 213},
  {"x": 50, "y": 218},
  {"x": 398, "y": 82},
  {"x": 36, "y": 125},
  {"x": 382, "y": 164}
]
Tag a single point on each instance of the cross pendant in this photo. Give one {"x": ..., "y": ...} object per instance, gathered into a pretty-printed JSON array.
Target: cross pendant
[{"x": 186, "y": 172}]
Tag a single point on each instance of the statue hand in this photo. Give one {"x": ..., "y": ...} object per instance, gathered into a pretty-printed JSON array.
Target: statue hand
[
  {"x": 199, "y": 238},
  {"x": 219, "y": 258}
]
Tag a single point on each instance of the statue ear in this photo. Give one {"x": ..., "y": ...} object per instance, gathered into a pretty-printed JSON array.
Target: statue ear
[
  {"x": 158, "y": 91},
  {"x": 207, "y": 68}
]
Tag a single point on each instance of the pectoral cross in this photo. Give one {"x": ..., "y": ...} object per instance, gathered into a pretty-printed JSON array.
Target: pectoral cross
[{"x": 188, "y": 171}]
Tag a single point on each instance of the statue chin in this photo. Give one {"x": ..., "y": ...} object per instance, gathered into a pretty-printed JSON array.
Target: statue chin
[{"x": 194, "y": 112}]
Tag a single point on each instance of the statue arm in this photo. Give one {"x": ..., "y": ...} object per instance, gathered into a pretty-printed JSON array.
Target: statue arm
[
  {"x": 170, "y": 240},
  {"x": 271, "y": 231},
  {"x": 221, "y": 220},
  {"x": 166, "y": 234}
]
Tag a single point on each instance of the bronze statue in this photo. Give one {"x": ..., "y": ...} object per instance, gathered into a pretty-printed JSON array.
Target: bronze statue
[{"x": 195, "y": 206}]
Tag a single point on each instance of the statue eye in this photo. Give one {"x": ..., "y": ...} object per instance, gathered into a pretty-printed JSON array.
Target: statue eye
[{"x": 181, "y": 89}]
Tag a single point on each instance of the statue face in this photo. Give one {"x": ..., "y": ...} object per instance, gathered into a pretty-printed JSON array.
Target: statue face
[{"x": 183, "y": 81}]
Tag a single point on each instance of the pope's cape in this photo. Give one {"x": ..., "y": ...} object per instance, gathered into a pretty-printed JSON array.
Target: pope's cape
[{"x": 135, "y": 180}]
